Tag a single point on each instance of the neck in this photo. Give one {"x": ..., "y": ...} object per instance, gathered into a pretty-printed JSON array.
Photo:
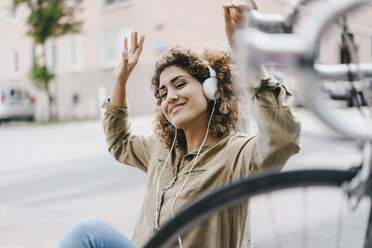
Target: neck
[{"x": 195, "y": 136}]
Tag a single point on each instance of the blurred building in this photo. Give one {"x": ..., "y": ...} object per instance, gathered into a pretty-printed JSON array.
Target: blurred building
[{"x": 84, "y": 62}]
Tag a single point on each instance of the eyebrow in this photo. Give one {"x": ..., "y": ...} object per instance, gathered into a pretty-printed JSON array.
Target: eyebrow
[{"x": 172, "y": 81}]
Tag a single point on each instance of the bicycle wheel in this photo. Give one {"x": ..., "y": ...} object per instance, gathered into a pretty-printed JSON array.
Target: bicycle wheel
[{"x": 254, "y": 186}]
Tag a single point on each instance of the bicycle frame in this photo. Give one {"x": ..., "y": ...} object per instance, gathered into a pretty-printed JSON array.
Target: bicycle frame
[{"x": 299, "y": 52}]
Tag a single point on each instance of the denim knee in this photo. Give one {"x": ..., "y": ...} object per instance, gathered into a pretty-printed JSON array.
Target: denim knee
[
  {"x": 87, "y": 225},
  {"x": 80, "y": 233},
  {"x": 93, "y": 232}
]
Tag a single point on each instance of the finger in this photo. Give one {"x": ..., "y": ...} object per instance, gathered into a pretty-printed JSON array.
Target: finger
[
  {"x": 226, "y": 5},
  {"x": 227, "y": 16},
  {"x": 239, "y": 7},
  {"x": 237, "y": 13},
  {"x": 242, "y": 6},
  {"x": 140, "y": 45},
  {"x": 131, "y": 42},
  {"x": 237, "y": 17},
  {"x": 125, "y": 44},
  {"x": 135, "y": 41}
]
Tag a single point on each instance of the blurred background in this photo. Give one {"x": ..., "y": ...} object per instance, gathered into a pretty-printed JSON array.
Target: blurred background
[
  {"x": 54, "y": 167},
  {"x": 83, "y": 61}
]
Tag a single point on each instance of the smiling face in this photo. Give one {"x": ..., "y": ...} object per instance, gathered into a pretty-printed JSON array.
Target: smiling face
[{"x": 182, "y": 100}]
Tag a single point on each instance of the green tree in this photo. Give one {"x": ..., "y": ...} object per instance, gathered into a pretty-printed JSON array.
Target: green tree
[{"x": 48, "y": 19}]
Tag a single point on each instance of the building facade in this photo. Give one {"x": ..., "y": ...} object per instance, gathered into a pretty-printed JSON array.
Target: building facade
[{"x": 83, "y": 62}]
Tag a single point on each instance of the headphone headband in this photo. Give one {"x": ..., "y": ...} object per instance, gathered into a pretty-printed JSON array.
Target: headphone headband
[{"x": 212, "y": 73}]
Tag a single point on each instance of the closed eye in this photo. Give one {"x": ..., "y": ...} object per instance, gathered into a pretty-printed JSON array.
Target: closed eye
[
  {"x": 180, "y": 84},
  {"x": 163, "y": 95}
]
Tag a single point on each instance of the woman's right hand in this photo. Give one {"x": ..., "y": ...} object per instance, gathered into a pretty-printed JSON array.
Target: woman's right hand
[
  {"x": 125, "y": 67},
  {"x": 129, "y": 58}
]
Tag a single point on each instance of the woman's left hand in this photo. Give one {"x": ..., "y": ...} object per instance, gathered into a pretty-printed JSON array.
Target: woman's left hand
[{"x": 234, "y": 17}]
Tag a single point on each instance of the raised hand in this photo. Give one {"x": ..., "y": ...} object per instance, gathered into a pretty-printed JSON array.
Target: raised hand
[
  {"x": 234, "y": 17},
  {"x": 129, "y": 58},
  {"x": 124, "y": 68}
]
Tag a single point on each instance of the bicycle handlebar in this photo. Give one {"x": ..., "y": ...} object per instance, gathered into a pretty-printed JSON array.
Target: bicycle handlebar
[
  {"x": 340, "y": 71},
  {"x": 272, "y": 23},
  {"x": 276, "y": 23}
]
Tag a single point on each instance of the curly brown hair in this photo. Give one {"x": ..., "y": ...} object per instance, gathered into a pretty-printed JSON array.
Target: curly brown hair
[{"x": 190, "y": 59}]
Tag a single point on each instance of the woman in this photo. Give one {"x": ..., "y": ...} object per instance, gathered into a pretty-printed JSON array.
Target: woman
[{"x": 195, "y": 149}]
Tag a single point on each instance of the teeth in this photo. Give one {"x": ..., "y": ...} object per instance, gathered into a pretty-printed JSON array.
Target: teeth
[{"x": 175, "y": 108}]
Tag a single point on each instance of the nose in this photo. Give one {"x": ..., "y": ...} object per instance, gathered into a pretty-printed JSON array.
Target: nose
[{"x": 172, "y": 96}]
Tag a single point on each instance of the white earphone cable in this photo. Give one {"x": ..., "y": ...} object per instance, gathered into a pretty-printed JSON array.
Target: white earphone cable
[
  {"x": 158, "y": 183},
  {"x": 192, "y": 167}
]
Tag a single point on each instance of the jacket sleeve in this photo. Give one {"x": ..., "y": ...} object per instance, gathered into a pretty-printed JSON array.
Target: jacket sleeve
[
  {"x": 126, "y": 148},
  {"x": 278, "y": 136}
]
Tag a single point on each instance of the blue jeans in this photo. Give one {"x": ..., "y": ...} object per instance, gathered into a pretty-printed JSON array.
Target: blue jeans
[{"x": 94, "y": 233}]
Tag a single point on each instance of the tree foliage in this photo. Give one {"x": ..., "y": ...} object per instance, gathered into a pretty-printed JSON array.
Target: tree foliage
[{"x": 48, "y": 19}]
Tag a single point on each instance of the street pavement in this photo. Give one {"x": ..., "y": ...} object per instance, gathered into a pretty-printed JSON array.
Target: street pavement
[{"x": 53, "y": 175}]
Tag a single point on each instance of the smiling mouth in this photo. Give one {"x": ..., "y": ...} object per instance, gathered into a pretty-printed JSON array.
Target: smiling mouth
[{"x": 176, "y": 107}]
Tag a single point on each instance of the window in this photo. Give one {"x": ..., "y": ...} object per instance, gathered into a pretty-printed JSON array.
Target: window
[
  {"x": 13, "y": 13},
  {"x": 112, "y": 4},
  {"x": 50, "y": 54},
  {"x": 113, "y": 44},
  {"x": 108, "y": 2},
  {"x": 74, "y": 52},
  {"x": 71, "y": 3},
  {"x": 31, "y": 56},
  {"x": 14, "y": 66}
]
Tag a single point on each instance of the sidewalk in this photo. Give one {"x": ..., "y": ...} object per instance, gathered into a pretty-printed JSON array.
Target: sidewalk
[{"x": 54, "y": 175}]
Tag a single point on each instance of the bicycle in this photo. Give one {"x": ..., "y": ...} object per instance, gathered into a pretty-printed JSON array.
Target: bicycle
[{"x": 299, "y": 52}]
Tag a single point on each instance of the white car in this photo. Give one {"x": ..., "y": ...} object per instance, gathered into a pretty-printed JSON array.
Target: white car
[{"x": 15, "y": 103}]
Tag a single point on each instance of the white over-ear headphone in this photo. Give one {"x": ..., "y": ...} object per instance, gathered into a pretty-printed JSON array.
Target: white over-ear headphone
[{"x": 210, "y": 84}]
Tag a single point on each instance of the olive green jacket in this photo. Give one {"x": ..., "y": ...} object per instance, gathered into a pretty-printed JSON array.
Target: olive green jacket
[{"x": 228, "y": 159}]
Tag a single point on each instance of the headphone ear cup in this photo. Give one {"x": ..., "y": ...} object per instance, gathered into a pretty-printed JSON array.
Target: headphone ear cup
[{"x": 210, "y": 88}]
